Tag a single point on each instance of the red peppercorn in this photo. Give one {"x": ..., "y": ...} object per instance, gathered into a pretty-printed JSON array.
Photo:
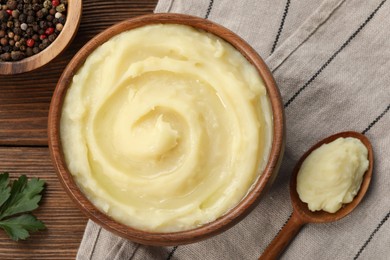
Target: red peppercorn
[
  {"x": 9, "y": 12},
  {"x": 49, "y": 31},
  {"x": 30, "y": 43},
  {"x": 42, "y": 36},
  {"x": 55, "y": 3}
]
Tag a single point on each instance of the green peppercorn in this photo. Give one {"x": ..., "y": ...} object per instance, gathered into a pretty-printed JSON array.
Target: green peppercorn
[
  {"x": 61, "y": 8},
  {"x": 15, "y": 14},
  {"x": 47, "y": 4}
]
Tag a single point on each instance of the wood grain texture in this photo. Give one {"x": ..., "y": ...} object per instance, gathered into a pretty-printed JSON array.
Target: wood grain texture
[
  {"x": 65, "y": 223},
  {"x": 24, "y": 105},
  {"x": 25, "y": 98}
]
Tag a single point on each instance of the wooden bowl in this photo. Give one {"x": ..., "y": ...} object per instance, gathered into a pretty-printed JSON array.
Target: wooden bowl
[
  {"x": 207, "y": 230},
  {"x": 63, "y": 40}
]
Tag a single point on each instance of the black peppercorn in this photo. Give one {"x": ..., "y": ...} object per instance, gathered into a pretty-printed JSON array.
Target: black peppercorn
[
  {"x": 29, "y": 52},
  {"x": 52, "y": 37},
  {"x": 30, "y": 19},
  {"x": 3, "y": 16},
  {"x": 2, "y": 33},
  {"x": 29, "y": 31},
  {"x": 35, "y": 50},
  {"x": 22, "y": 18},
  {"x": 39, "y": 14},
  {"x": 35, "y": 37},
  {"x": 43, "y": 25},
  {"x": 17, "y": 31},
  {"x": 49, "y": 17},
  {"x": 35, "y": 27}
]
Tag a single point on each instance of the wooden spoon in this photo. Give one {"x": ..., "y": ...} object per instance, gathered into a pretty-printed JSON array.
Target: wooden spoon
[{"x": 302, "y": 215}]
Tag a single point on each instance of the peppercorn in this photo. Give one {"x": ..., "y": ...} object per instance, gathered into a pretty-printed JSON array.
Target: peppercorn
[
  {"x": 23, "y": 26},
  {"x": 35, "y": 37},
  {"x": 36, "y": 7},
  {"x": 11, "y": 42},
  {"x": 59, "y": 27},
  {"x": 29, "y": 31},
  {"x": 49, "y": 17},
  {"x": 22, "y": 47},
  {"x": 2, "y": 33},
  {"x": 42, "y": 36},
  {"x": 61, "y": 8},
  {"x": 57, "y": 15},
  {"x": 4, "y": 41},
  {"x": 9, "y": 12},
  {"x": 12, "y": 4},
  {"x": 30, "y": 42},
  {"x": 52, "y": 11},
  {"x": 15, "y": 14},
  {"x": 16, "y": 24},
  {"x": 3, "y": 16},
  {"x": 29, "y": 52},
  {"x": 35, "y": 50},
  {"x": 55, "y": 3},
  {"x": 11, "y": 35},
  {"x": 43, "y": 25},
  {"x": 10, "y": 24},
  {"x": 49, "y": 31},
  {"x": 35, "y": 27},
  {"x": 47, "y": 4},
  {"x": 5, "y": 56},
  {"x": 17, "y": 31},
  {"x": 39, "y": 14},
  {"x": 17, "y": 55},
  {"x": 22, "y": 18},
  {"x": 52, "y": 37},
  {"x": 30, "y": 19},
  {"x": 17, "y": 44}
]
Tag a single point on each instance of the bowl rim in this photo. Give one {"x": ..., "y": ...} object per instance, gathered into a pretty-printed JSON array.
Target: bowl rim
[
  {"x": 64, "y": 39},
  {"x": 233, "y": 216}
]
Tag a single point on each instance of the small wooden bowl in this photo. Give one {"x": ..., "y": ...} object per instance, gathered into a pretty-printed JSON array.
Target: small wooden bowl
[
  {"x": 74, "y": 10},
  {"x": 207, "y": 230}
]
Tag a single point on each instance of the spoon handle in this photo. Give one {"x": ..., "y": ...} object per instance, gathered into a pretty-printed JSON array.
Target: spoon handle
[{"x": 283, "y": 238}]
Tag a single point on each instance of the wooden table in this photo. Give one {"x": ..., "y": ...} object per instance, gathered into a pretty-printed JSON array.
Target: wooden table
[{"x": 24, "y": 104}]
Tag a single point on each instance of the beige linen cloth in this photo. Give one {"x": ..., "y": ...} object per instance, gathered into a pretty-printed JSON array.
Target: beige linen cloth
[{"x": 331, "y": 61}]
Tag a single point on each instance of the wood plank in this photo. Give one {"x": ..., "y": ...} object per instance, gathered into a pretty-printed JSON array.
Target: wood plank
[
  {"x": 25, "y": 98},
  {"x": 65, "y": 223}
]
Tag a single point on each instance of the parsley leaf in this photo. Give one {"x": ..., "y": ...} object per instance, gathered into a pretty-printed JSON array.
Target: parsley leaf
[
  {"x": 18, "y": 227},
  {"x": 22, "y": 197}
]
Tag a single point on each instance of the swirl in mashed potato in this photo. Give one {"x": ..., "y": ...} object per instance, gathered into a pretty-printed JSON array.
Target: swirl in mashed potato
[{"x": 166, "y": 127}]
